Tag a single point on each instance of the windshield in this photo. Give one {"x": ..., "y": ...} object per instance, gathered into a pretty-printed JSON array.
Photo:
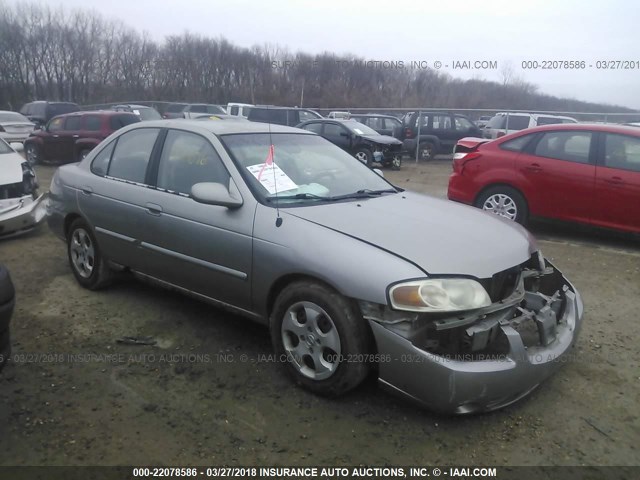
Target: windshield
[
  {"x": 360, "y": 128},
  {"x": 4, "y": 147},
  {"x": 304, "y": 168},
  {"x": 13, "y": 117}
]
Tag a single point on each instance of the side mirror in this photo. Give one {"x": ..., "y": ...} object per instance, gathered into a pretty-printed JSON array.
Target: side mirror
[{"x": 212, "y": 193}]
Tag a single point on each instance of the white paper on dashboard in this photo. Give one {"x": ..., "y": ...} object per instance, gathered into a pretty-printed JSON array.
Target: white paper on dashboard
[{"x": 272, "y": 178}]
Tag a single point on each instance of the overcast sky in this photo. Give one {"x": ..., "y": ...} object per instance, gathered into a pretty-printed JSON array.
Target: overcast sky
[{"x": 422, "y": 30}]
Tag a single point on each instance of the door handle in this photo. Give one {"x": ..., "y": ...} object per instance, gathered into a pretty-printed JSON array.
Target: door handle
[
  {"x": 87, "y": 190},
  {"x": 153, "y": 209},
  {"x": 76, "y": 136},
  {"x": 56, "y": 136},
  {"x": 614, "y": 181},
  {"x": 534, "y": 167}
]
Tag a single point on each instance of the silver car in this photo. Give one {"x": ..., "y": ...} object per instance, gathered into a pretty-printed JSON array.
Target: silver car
[
  {"x": 21, "y": 207},
  {"x": 447, "y": 305}
]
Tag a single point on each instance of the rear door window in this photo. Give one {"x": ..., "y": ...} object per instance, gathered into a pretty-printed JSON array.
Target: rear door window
[
  {"x": 131, "y": 156},
  {"x": 622, "y": 152},
  {"x": 441, "y": 122},
  {"x": 92, "y": 123},
  {"x": 517, "y": 144},
  {"x": 73, "y": 123},
  {"x": 516, "y": 122},
  {"x": 569, "y": 146}
]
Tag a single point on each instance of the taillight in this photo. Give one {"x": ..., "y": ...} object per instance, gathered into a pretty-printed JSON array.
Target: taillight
[
  {"x": 460, "y": 159},
  {"x": 408, "y": 133}
]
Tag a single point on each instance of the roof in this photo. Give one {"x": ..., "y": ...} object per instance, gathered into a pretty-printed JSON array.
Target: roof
[
  {"x": 94, "y": 112},
  {"x": 224, "y": 128},
  {"x": 598, "y": 127},
  {"x": 377, "y": 115}
]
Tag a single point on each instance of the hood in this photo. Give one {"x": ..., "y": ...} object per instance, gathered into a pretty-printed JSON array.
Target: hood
[
  {"x": 439, "y": 236},
  {"x": 10, "y": 168},
  {"x": 382, "y": 139}
]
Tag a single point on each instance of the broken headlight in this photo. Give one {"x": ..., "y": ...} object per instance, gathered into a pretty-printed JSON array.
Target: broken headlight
[
  {"x": 29, "y": 179},
  {"x": 438, "y": 295}
]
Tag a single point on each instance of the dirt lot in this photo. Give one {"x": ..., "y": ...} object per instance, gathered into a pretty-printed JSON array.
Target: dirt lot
[{"x": 207, "y": 394}]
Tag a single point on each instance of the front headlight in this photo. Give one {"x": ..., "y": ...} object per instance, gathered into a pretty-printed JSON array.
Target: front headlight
[{"x": 439, "y": 295}]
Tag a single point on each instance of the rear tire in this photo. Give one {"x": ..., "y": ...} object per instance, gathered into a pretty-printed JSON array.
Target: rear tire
[
  {"x": 504, "y": 201},
  {"x": 427, "y": 151},
  {"x": 320, "y": 338},
  {"x": 85, "y": 258}
]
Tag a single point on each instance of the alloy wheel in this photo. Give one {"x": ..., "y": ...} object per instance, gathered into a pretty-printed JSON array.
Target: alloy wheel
[
  {"x": 82, "y": 253},
  {"x": 501, "y": 204}
]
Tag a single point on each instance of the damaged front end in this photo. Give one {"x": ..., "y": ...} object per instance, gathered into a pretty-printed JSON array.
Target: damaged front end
[
  {"x": 21, "y": 208},
  {"x": 484, "y": 359}
]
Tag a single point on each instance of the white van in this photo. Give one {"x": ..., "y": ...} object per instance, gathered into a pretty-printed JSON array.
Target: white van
[
  {"x": 504, "y": 123},
  {"x": 239, "y": 109}
]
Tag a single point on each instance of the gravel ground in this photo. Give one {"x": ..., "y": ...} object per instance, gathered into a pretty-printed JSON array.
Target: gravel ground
[{"x": 208, "y": 394}]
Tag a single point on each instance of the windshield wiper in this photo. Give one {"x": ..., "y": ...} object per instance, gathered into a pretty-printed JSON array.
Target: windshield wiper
[
  {"x": 364, "y": 193},
  {"x": 297, "y": 196}
]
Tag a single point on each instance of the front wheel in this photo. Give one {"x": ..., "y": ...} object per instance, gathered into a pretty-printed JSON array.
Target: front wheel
[
  {"x": 85, "y": 258},
  {"x": 322, "y": 337},
  {"x": 505, "y": 202},
  {"x": 31, "y": 152},
  {"x": 364, "y": 155}
]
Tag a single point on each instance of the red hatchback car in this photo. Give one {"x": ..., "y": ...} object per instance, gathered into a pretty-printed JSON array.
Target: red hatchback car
[
  {"x": 70, "y": 137},
  {"x": 575, "y": 172}
]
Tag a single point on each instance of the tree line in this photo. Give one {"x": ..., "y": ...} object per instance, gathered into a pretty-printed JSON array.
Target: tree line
[{"x": 81, "y": 56}]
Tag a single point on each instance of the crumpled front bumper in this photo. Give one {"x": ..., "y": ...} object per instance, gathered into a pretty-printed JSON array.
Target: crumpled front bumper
[
  {"x": 460, "y": 386},
  {"x": 20, "y": 215}
]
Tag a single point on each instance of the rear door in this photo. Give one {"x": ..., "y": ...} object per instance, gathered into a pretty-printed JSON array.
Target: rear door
[
  {"x": 617, "y": 203},
  {"x": 442, "y": 126},
  {"x": 115, "y": 197},
  {"x": 559, "y": 170}
]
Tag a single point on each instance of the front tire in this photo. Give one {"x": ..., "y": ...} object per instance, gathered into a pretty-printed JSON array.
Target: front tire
[
  {"x": 364, "y": 155},
  {"x": 504, "y": 201},
  {"x": 85, "y": 258},
  {"x": 32, "y": 154},
  {"x": 322, "y": 336}
]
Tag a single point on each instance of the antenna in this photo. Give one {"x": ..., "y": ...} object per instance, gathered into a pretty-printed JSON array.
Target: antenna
[{"x": 272, "y": 155}]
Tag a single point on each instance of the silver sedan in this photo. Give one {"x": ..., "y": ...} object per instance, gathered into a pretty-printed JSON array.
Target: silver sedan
[{"x": 449, "y": 306}]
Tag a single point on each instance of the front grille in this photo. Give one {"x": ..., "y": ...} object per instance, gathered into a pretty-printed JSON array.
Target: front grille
[{"x": 502, "y": 284}]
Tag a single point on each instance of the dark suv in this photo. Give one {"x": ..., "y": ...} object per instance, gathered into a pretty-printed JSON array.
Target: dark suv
[
  {"x": 7, "y": 300},
  {"x": 41, "y": 112},
  {"x": 282, "y": 115},
  {"x": 439, "y": 132},
  {"x": 70, "y": 137}
]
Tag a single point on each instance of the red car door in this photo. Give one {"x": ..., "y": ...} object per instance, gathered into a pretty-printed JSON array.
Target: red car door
[
  {"x": 559, "y": 175},
  {"x": 68, "y": 137},
  {"x": 618, "y": 183}
]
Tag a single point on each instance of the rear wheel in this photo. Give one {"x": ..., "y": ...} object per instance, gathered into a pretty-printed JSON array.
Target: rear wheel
[
  {"x": 85, "y": 258},
  {"x": 427, "y": 151},
  {"x": 321, "y": 337},
  {"x": 505, "y": 202}
]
